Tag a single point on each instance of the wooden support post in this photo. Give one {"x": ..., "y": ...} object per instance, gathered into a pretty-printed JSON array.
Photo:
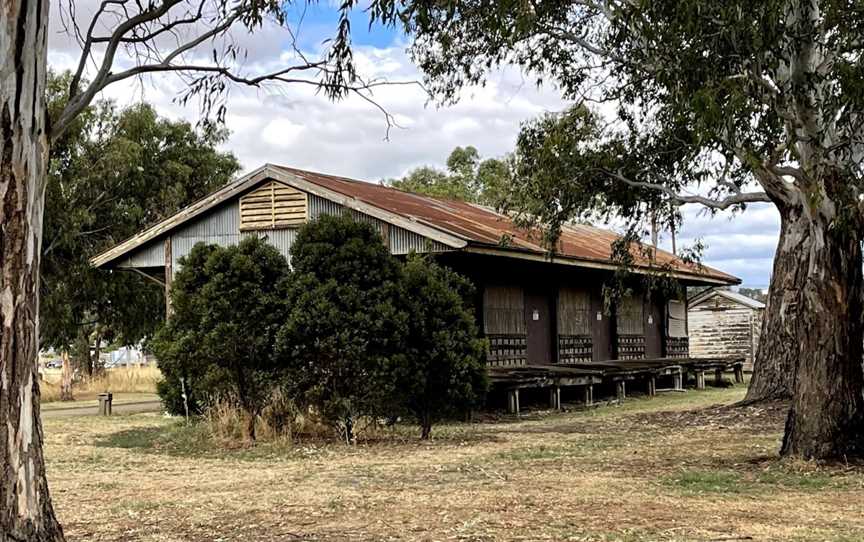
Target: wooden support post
[
  {"x": 513, "y": 401},
  {"x": 739, "y": 374},
  {"x": 678, "y": 379},
  {"x": 621, "y": 388},
  {"x": 555, "y": 398},
  {"x": 718, "y": 377},
  {"x": 652, "y": 386},
  {"x": 169, "y": 276},
  {"x": 700, "y": 380},
  {"x": 588, "y": 391}
]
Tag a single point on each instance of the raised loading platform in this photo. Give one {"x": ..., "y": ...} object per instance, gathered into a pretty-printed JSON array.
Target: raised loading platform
[{"x": 619, "y": 372}]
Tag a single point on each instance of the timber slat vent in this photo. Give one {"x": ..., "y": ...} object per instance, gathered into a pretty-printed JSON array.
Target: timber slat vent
[
  {"x": 271, "y": 206},
  {"x": 575, "y": 349},
  {"x": 631, "y": 347},
  {"x": 507, "y": 350},
  {"x": 677, "y": 347}
]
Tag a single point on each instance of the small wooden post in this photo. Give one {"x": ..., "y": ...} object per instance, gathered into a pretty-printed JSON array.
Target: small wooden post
[
  {"x": 555, "y": 397},
  {"x": 739, "y": 374},
  {"x": 678, "y": 380},
  {"x": 621, "y": 388},
  {"x": 105, "y": 400},
  {"x": 652, "y": 386},
  {"x": 718, "y": 377},
  {"x": 513, "y": 401},
  {"x": 700, "y": 380},
  {"x": 589, "y": 395}
]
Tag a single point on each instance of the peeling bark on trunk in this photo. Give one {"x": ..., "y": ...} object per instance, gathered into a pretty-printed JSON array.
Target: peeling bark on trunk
[
  {"x": 66, "y": 380},
  {"x": 777, "y": 354},
  {"x": 26, "y": 513},
  {"x": 826, "y": 420}
]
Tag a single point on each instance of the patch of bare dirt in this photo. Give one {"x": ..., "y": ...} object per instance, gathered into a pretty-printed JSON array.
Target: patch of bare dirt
[{"x": 760, "y": 418}]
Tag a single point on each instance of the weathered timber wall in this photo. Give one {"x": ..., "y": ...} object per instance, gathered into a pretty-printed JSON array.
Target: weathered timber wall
[
  {"x": 721, "y": 327},
  {"x": 592, "y": 336},
  {"x": 222, "y": 226}
]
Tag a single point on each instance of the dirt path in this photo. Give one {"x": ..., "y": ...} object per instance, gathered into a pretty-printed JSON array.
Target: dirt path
[{"x": 135, "y": 407}]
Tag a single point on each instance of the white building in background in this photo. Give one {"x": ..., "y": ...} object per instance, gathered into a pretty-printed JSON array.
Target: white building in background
[
  {"x": 125, "y": 356},
  {"x": 723, "y": 324}
]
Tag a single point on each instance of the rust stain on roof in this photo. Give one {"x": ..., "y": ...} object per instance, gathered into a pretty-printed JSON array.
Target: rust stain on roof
[{"x": 481, "y": 226}]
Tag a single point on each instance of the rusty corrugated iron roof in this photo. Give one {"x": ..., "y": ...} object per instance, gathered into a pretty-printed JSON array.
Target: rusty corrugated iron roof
[{"x": 483, "y": 227}]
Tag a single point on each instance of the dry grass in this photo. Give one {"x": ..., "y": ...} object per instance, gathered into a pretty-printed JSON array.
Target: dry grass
[
  {"x": 119, "y": 380},
  {"x": 677, "y": 468}
]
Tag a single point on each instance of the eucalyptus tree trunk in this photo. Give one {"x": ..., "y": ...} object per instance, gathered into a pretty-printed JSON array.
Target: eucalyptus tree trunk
[
  {"x": 826, "y": 420},
  {"x": 777, "y": 353},
  {"x": 26, "y": 513},
  {"x": 66, "y": 378}
]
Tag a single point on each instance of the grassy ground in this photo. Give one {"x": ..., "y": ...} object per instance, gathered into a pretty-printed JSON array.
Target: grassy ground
[{"x": 678, "y": 467}]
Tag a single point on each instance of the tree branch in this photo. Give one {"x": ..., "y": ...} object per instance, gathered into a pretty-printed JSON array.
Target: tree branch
[
  {"x": 720, "y": 205},
  {"x": 78, "y": 101}
]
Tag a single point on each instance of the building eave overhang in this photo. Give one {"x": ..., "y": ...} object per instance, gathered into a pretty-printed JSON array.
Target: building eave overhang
[{"x": 522, "y": 254}]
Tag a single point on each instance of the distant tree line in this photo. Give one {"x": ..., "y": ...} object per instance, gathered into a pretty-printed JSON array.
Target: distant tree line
[
  {"x": 348, "y": 331},
  {"x": 113, "y": 172},
  {"x": 468, "y": 177}
]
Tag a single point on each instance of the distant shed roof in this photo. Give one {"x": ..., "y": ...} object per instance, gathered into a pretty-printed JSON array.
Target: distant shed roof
[
  {"x": 460, "y": 225},
  {"x": 732, "y": 296}
]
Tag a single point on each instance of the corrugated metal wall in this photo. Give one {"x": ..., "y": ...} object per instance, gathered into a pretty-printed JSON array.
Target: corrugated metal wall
[
  {"x": 320, "y": 206},
  {"x": 401, "y": 241},
  {"x": 281, "y": 239},
  {"x": 221, "y": 226},
  {"x": 151, "y": 255},
  {"x": 720, "y": 327}
]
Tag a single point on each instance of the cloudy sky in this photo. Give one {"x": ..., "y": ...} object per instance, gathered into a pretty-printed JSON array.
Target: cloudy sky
[{"x": 294, "y": 126}]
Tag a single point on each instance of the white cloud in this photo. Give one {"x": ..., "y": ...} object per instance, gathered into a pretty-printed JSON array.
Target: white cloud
[
  {"x": 741, "y": 243},
  {"x": 281, "y": 132}
]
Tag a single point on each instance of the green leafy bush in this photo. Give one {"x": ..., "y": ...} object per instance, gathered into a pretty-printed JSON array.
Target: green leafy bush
[
  {"x": 439, "y": 370},
  {"x": 228, "y": 303},
  {"x": 351, "y": 332},
  {"x": 343, "y": 324}
]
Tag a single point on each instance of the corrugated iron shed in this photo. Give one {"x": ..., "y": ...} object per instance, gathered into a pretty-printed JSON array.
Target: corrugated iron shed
[
  {"x": 482, "y": 226},
  {"x": 454, "y": 224}
]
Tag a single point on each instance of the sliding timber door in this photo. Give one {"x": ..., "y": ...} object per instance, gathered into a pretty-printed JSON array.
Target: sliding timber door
[
  {"x": 630, "y": 322},
  {"x": 504, "y": 325},
  {"x": 575, "y": 341},
  {"x": 538, "y": 317}
]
